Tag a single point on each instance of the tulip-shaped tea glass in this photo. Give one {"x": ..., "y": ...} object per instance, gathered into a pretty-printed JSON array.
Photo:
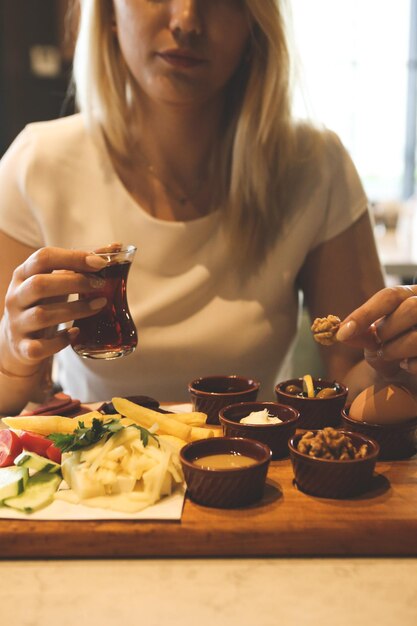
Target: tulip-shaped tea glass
[{"x": 110, "y": 333}]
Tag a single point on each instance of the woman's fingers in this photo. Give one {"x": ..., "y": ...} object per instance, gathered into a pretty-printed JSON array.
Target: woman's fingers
[
  {"x": 365, "y": 325},
  {"x": 409, "y": 365},
  {"x": 38, "y": 349},
  {"x": 57, "y": 284},
  {"x": 402, "y": 320},
  {"x": 43, "y": 316},
  {"x": 402, "y": 347},
  {"x": 386, "y": 328},
  {"x": 46, "y": 260}
]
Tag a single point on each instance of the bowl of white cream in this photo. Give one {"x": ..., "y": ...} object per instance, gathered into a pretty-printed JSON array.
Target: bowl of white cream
[{"x": 271, "y": 423}]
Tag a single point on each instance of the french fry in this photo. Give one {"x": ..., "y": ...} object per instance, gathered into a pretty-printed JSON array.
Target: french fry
[
  {"x": 147, "y": 418},
  {"x": 191, "y": 419},
  {"x": 47, "y": 424},
  {"x": 201, "y": 433},
  {"x": 87, "y": 418},
  {"x": 174, "y": 441},
  {"x": 41, "y": 424},
  {"x": 125, "y": 421}
]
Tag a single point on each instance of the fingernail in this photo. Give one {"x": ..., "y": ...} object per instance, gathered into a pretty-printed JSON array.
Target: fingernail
[
  {"x": 404, "y": 364},
  {"x": 346, "y": 331},
  {"x": 73, "y": 332},
  {"x": 98, "y": 303},
  {"x": 96, "y": 282},
  {"x": 93, "y": 260}
]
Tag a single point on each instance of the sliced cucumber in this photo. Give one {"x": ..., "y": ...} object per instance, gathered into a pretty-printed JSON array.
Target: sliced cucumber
[
  {"x": 34, "y": 461},
  {"x": 12, "y": 481},
  {"x": 39, "y": 492}
]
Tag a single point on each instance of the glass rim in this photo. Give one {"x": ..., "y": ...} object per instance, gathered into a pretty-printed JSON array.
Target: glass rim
[{"x": 125, "y": 249}]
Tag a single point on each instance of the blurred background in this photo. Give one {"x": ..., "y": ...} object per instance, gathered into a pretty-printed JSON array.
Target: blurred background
[
  {"x": 36, "y": 46},
  {"x": 358, "y": 75}
]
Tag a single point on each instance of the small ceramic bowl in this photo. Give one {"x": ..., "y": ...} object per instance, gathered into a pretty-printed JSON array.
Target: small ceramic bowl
[
  {"x": 397, "y": 441},
  {"x": 209, "y": 394},
  {"x": 327, "y": 478},
  {"x": 225, "y": 488},
  {"x": 315, "y": 413},
  {"x": 273, "y": 435}
]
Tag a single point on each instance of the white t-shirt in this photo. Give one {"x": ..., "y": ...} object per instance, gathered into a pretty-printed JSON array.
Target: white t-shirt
[{"x": 58, "y": 187}]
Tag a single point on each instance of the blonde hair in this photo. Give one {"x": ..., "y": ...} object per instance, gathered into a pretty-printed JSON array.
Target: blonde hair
[{"x": 259, "y": 145}]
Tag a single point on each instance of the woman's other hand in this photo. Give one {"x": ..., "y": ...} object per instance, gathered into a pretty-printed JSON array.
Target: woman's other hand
[
  {"x": 36, "y": 303},
  {"x": 385, "y": 327}
]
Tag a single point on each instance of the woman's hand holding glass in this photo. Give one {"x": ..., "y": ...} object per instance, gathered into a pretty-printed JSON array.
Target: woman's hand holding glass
[{"x": 37, "y": 303}]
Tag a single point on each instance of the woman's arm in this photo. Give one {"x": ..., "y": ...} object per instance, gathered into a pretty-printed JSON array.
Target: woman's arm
[
  {"x": 336, "y": 278},
  {"x": 16, "y": 388},
  {"x": 34, "y": 290}
]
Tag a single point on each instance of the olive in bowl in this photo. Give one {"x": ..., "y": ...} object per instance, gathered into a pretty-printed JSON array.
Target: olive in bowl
[
  {"x": 274, "y": 435},
  {"x": 225, "y": 472},
  {"x": 316, "y": 411},
  {"x": 332, "y": 463}
]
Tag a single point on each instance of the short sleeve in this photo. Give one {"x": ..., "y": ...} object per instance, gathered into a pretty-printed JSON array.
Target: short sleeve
[
  {"x": 18, "y": 217},
  {"x": 346, "y": 198}
]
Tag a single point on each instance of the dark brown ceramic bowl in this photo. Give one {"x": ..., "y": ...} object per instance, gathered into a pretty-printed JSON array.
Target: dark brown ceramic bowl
[
  {"x": 315, "y": 413},
  {"x": 328, "y": 478},
  {"x": 273, "y": 435},
  {"x": 209, "y": 394},
  {"x": 397, "y": 441},
  {"x": 225, "y": 488}
]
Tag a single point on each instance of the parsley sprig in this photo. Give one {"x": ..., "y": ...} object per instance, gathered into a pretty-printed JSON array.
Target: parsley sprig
[{"x": 83, "y": 437}]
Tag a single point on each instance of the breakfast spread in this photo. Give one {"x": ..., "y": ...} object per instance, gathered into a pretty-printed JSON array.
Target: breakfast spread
[
  {"x": 384, "y": 404},
  {"x": 324, "y": 329},
  {"x": 126, "y": 457},
  {"x": 260, "y": 417},
  {"x": 330, "y": 443}
]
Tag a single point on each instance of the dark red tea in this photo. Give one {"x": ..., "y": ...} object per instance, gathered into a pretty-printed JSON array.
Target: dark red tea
[{"x": 110, "y": 333}]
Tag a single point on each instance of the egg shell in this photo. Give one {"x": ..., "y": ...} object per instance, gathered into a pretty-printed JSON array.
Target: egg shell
[{"x": 388, "y": 404}]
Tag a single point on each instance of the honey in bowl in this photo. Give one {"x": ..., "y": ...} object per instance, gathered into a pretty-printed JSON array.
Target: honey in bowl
[{"x": 224, "y": 461}]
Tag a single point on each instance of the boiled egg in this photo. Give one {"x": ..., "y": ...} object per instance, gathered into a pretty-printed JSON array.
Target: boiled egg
[{"x": 384, "y": 404}]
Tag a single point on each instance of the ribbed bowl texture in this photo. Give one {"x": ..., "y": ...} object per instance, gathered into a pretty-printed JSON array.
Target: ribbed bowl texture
[
  {"x": 330, "y": 478},
  {"x": 397, "y": 441},
  {"x": 231, "y": 488},
  {"x": 315, "y": 413},
  {"x": 209, "y": 394}
]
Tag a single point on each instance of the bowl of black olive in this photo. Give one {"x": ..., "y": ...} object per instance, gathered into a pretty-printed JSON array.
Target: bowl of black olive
[{"x": 318, "y": 401}]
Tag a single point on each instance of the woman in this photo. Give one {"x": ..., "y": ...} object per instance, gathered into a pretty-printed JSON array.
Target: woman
[{"x": 185, "y": 147}]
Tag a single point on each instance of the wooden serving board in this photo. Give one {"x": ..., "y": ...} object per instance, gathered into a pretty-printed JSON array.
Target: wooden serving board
[{"x": 285, "y": 523}]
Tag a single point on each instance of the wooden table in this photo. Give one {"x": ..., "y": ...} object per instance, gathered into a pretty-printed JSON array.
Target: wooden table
[{"x": 286, "y": 523}]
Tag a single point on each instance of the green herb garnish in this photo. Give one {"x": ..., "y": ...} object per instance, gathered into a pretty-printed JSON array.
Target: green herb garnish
[{"x": 83, "y": 437}]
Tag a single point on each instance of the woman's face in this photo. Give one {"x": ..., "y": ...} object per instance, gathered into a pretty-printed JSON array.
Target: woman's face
[{"x": 182, "y": 51}]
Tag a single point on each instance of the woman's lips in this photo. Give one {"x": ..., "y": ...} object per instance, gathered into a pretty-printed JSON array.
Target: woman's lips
[{"x": 182, "y": 59}]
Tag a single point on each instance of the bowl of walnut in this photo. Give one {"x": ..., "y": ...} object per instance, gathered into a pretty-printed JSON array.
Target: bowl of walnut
[
  {"x": 318, "y": 401},
  {"x": 332, "y": 463}
]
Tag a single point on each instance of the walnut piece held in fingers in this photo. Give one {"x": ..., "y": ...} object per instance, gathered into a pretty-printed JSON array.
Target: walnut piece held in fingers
[{"x": 324, "y": 329}]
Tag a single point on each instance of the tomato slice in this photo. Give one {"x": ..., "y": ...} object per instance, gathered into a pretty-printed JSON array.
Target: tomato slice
[
  {"x": 10, "y": 447},
  {"x": 54, "y": 453},
  {"x": 34, "y": 442}
]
